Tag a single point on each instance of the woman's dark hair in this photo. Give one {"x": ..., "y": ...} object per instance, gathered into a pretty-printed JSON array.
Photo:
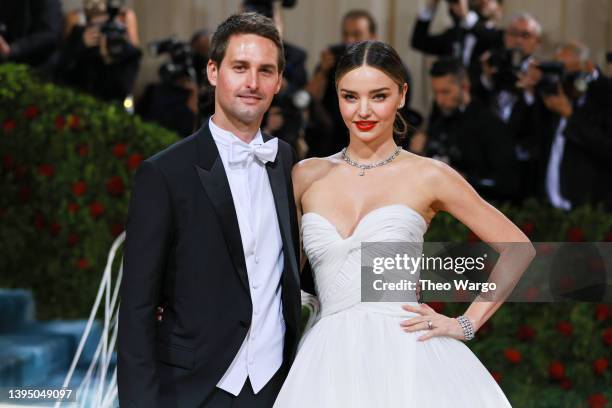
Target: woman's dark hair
[{"x": 379, "y": 55}]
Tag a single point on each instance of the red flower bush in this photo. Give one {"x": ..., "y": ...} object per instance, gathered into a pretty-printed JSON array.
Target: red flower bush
[
  {"x": 575, "y": 234},
  {"x": 134, "y": 161},
  {"x": 31, "y": 112},
  {"x": 96, "y": 210},
  {"x": 597, "y": 401},
  {"x": 60, "y": 122},
  {"x": 600, "y": 365},
  {"x": 119, "y": 150},
  {"x": 607, "y": 336},
  {"x": 9, "y": 125},
  {"x": 526, "y": 333},
  {"x": 46, "y": 170},
  {"x": 512, "y": 355},
  {"x": 115, "y": 186},
  {"x": 83, "y": 150},
  {"x": 79, "y": 188},
  {"x": 602, "y": 312},
  {"x": 556, "y": 370},
  {"x": 82, "y": 263},
  {"x": 565, "y": 328}
]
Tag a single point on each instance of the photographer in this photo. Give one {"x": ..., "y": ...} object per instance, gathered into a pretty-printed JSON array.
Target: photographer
[
  {"x": 325, "y": 132},
  {"x": 506, "y": 86},
  {"x": 101, "y": 56},
  {"x": 173, "y": 102},
  {"x": 472, "y": 33},
  {"x": 29, "y": 30},
  {"x": 577, "y": 131},
  {"x": 465, "y": 134}
]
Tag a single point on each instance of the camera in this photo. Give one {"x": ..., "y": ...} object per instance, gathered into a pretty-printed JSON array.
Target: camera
[
  {"x": 265, "y": 6},
  {"x": 114, "y": 31},
  {"x": 181, "y": 59},
  {"x": 508, "y": 63},
  {"x": 553, "y": 75}
]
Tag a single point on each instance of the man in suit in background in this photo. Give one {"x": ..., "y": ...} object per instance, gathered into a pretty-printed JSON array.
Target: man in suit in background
[
  {"x": 577, "y": 133},
  {"x": 212, "y": 239},
  {"x": 465, "y": 134}
]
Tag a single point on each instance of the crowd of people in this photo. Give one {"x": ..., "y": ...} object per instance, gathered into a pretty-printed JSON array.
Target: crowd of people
[{"x": 512, "y": 123}]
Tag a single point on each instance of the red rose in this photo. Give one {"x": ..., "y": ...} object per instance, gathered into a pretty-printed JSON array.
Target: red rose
[
  {"x": 565, "y": 328},
  {"x": 545, "y": 249},
  {"x": 437, "y": 306},
  {"x": 116, "y": 229},
  {"x": 24, "y": 194},
  {"x": 119, "y": 150},
  {"x": 74, "y": 122},
  {"x": 96, "y": 209},
  {"x": 575, "y": 234},
  {"x": 528, "y": 228},
  {"x": 8, "y": 162},
  {"x": 602, "y": 312},
  {"x": 39, "y": 221},
  {"x": 134, "y": 161},
  {"x": 60, "y": 122},
  {"x": 531, "y": 294},
  {"x": 79, "y": 188},
  {"x": 46, "y": 170},
  {"x": 54, "y": 228},
  {"x": 9, "y": 125},
  {"x": 497, "y": 376},
  {"x": 115, "y": 186},
  {"x": 556, "y": 370},
  {"x": 608, "y": 237},
  {"x": 600, "y": 365},
  {"x": 472, "y": 237},
  {"x": 512, "y": 355},
  {"x": 82, "y": 150},
  {"x": 31, "y": 112},
  {"x": 607, "y": 336},
  {"x": 566, "y": 384},
  {"x": 73, "y": 208},
  {"x": 597, "y": 401},
  {"x": 82, "y": 263},
  {"x": 526, "y": 333},
  {"x": 73, "y": 239}
]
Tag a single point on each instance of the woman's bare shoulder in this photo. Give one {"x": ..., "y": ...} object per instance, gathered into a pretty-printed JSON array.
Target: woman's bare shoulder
[{"x": 309, "y": 170}]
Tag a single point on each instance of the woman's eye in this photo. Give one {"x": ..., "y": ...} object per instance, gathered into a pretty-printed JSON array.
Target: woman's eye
[{"x": 380, "y": 97}]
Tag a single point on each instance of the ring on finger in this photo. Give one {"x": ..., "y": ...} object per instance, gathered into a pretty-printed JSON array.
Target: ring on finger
[{"x": 429, "y": 325}]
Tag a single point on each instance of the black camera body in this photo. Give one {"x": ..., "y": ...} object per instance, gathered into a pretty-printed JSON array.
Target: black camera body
[
  {"x": 265, "y": 6},
  {"x": 507, "y": 62},
  {"x": 553, "y": 75},
  {"x": 114, "y": 31},
  {"x": 181, "y": 59}
]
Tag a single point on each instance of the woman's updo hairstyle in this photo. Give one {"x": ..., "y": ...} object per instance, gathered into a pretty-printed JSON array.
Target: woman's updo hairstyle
[{"x": 379, "y": 55}]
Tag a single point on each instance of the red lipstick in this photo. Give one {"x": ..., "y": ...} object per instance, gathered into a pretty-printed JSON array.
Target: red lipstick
[{"x": 365, "y": 125}]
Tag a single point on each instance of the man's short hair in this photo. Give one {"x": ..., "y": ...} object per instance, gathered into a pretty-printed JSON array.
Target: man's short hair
[
  {"x": 580, "y": 50},
  {"x": 448, "y": 66},
  {"x": 537, "y": 27},
  {"x": 359, "y": 13},
  {"x": 245, "y": 23}
]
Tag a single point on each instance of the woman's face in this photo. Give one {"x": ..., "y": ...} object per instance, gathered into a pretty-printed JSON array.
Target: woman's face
[{"x": 369, "y": 100}]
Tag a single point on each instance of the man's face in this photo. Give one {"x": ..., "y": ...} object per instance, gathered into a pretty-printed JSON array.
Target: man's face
[
  {"x": 448, "y": 93},
  {"x": 355, "y": 30},
  {"x": 521, "y": 34},
  {"x": 570, "y": 60},
  {"x": 247, "y": 78}
]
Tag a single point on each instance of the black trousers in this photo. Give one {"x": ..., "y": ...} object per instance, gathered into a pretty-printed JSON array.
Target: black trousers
[{"x": 247, "y": 398}]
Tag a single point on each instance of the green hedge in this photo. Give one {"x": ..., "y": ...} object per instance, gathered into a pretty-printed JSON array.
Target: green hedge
[{"x": 67, "y": 163}]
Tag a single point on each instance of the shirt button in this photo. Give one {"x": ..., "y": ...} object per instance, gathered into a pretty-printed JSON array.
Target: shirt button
[{"x": 256, "y": 259}]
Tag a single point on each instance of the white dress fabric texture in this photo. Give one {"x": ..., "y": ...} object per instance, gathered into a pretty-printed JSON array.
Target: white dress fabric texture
[{"x": 357, "y": 355}]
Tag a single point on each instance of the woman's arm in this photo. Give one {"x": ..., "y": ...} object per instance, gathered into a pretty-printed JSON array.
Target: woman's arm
[{"x": 454, "y": 195}]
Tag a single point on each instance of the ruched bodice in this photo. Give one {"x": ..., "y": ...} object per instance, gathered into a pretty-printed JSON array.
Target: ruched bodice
[{"x": 336, "y": 261}]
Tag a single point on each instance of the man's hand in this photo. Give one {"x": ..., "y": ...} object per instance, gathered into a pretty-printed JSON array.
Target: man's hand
[
  {"x": 530, "y": 79},
  {"x": 559, "y": 103},
  {"x": 487, "y": 70},
  {"x": 5, "y": 48},
  {"x": 91, "y": 36}
]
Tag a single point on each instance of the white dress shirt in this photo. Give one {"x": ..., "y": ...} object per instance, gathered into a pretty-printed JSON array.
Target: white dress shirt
[{"x": 261, "y": 353}]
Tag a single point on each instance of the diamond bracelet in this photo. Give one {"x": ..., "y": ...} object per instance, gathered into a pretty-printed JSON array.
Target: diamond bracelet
[{"x": 467, "y": 326}]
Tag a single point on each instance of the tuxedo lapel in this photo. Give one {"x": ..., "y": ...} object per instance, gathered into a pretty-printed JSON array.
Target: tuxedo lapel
[
  {"x": 216, "y": 185},
  {"x": 278, "y": 184}
]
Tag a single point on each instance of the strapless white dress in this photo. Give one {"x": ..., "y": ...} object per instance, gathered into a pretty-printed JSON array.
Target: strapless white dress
[{"x": 357, "y": 355}]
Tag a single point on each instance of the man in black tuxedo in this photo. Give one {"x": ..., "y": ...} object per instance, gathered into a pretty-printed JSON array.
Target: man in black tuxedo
[
  {"x": 576, "y": 128},
  {"x": 212, "y": 239},
  {"x": 465, "y": 134}
]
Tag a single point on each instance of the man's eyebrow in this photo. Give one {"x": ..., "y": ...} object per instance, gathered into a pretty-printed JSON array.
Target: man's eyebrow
[{"x": 244, "y": 62}]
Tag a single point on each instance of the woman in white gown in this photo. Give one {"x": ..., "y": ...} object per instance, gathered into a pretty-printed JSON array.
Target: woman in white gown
[{"x": 374, "y": 355}]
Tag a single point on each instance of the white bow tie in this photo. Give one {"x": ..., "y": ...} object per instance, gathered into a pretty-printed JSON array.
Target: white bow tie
[{"x": 240, "y": 152}]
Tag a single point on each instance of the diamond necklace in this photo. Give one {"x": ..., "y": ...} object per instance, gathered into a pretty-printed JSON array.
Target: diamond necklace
[{"x": 364, "y": 167}]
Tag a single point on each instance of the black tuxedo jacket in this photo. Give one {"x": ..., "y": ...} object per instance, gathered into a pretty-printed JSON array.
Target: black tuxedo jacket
[{"x": 183, "y": 251}]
